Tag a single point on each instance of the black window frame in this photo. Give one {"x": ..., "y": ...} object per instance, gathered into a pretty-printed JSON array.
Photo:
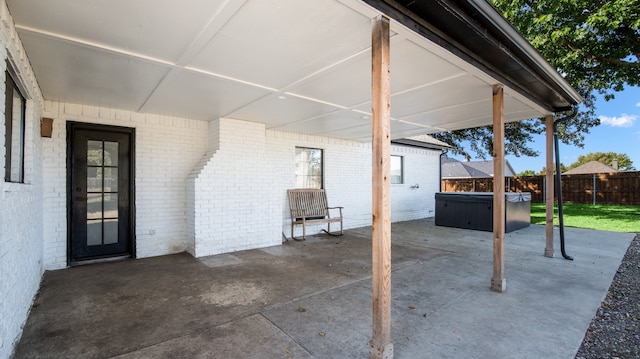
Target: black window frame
[{"x": 11, "y": 89}]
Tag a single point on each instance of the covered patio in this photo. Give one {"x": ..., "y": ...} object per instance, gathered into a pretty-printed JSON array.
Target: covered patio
[
  {"x": 312, "y": 299},
  {"x": 205, "y": 106}
]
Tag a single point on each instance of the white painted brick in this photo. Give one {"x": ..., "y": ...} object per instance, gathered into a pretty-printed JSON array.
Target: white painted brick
[
  {"x": 21, "y": 210},
  {"x": 347, "y": 171},
  {"x": 90, "y": 111},
  {"x": 204, "y": 187},
  {"x": 165, "y": 154},
  {"x": 229, "y": 187}
]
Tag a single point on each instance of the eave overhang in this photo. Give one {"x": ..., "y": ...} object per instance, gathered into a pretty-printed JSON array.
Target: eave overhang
[{"x": 474, "y": 31}]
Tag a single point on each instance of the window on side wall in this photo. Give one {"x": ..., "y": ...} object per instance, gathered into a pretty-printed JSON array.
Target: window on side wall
[
  {"x": 308, "y": 167},
  {"x": 397, "y": 169},
  {"x": 14, "y": 119}
]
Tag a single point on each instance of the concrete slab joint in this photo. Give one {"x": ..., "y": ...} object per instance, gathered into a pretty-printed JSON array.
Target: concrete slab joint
[{"x": 380, "y": 352}]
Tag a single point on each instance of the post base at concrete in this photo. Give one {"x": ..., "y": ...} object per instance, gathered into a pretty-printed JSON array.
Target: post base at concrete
[
  {"x": 380, "y": 352},
  {"x": 498, "y": 285},
  {"x": 548, "y": 252}
]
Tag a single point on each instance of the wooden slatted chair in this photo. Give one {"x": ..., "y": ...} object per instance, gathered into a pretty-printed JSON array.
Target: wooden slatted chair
[{"x": 308, "y": 206}]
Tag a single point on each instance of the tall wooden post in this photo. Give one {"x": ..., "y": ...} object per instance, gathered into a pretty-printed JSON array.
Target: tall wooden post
[
  {"x": 498, "y": 281},
  {"x": 548, "y": 249},
  {"x": 380, "y": 345}
]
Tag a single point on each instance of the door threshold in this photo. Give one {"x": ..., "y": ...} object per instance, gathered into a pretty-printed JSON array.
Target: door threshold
[{"x": 101, "y": 260}]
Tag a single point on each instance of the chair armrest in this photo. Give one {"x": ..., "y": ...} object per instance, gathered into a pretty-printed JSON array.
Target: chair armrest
[{"x": 338, "y": 208}]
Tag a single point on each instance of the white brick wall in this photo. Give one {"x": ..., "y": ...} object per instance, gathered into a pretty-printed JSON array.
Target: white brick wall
[
  {"x": 203, "y": 187},
  {"x": 347, "y": 178},
  {"x": 166, "y": 150},
  {"x": 21, "y": 212},
  {"x": 422, "y": 168},
  {"x": 232, "y": 200},
  {"x": 237, "y": 192},
  {"x": 216, "y": 191}
]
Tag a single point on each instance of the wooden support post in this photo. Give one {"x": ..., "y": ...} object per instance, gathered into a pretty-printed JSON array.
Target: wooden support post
[
  {"x": 498, "y": 281},
  {"x": 548, "y": 249},
  {"x": 380, "y": 345}
]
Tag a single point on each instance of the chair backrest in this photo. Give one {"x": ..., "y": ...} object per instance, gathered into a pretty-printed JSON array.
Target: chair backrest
[{"x": 312, "y": 201}]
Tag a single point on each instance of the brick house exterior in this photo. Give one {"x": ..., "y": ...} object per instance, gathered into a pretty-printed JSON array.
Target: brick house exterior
[
  {"x": 192, "y": 191},
  {"x": 217, "y": 185}
]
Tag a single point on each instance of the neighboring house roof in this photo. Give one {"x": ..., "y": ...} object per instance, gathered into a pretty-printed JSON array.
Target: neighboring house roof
[
  {"x": 591, "y": 167},
  {"x": 424, "y": 141},
  {"x": 452, "y": 168}
]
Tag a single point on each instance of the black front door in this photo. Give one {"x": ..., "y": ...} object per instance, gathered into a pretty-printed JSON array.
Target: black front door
[{"x": 101, "y": 191}]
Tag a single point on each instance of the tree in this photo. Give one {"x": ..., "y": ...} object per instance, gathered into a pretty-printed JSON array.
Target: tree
[
  {"x": 594, "y": 44},
  {"x": 518, "y": 135},
  {"x": 527, "y": 173},
  {"x": 543, "y": 171},
  {"x": 624, "y": 162}
]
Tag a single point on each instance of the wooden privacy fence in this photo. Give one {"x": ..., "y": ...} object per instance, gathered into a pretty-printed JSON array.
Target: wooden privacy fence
[{"x": 601, "y": 188}]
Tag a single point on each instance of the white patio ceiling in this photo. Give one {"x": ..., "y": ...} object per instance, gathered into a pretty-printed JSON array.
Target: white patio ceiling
[{"x": 294, "y": 65}]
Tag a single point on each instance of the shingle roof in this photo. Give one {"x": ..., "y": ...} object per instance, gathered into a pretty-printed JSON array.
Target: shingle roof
[
  {"x": 452, "y": 168},
  {"x": 591, "y": 167}
]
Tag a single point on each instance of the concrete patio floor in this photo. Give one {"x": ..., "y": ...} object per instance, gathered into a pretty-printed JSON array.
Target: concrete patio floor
[{"x": 312, "y": 299}]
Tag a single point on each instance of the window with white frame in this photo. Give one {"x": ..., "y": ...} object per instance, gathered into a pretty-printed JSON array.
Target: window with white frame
[
  {"x": 397, "y": 169},
  {"x": 15, "y": 105},
  {"x": 308, "y": 168}
]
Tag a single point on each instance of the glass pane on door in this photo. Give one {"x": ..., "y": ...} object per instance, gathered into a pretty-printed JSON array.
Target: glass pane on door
[
  {"x": 111, "y": 153},
  {"x": 110, "y": 205},
  {"x": 111, "y": 179},
  {"x": 94, "y": 153},
  {"x": 94, "y": 232},
  {"x": 110, "y": 231},
  {"x": 94, "y": 179},
  {"x": 94, "y": 206}
]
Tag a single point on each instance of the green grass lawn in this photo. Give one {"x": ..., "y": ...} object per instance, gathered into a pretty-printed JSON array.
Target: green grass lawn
[{"x": 600, "y": 217}]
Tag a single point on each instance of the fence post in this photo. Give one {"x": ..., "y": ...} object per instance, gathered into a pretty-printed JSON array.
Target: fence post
[
  {"x": 625, "y": 187},
  {"x": 594, "y": 189}
]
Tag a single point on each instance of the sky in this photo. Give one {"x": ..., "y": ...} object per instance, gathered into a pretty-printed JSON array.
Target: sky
[{"x": 618, "y": 132}]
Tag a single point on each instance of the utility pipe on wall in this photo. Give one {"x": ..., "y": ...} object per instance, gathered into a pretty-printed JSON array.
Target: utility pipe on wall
[{"x": 442, "y": 153}]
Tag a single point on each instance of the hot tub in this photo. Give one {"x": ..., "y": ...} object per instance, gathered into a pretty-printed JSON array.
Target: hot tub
[{"x": 474, "y": 210}]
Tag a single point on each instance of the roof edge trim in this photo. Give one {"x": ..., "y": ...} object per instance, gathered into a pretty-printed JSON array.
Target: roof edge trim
[
  {"x": 510, "y": 32},
  {"x": 462, "y": 27}
]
